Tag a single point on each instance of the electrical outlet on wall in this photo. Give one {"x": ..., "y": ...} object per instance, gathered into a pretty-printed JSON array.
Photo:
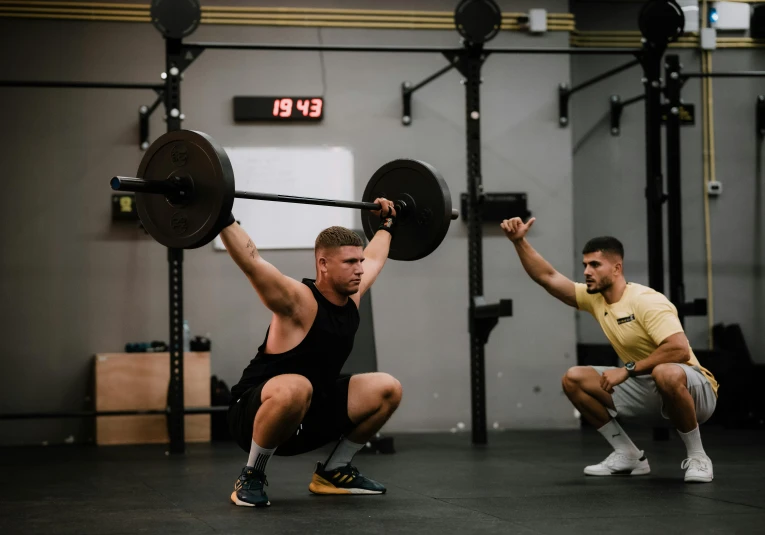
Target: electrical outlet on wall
[{"x": 714, "y": 188}]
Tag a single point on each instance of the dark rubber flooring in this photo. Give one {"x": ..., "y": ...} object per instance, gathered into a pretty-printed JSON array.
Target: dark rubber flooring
[{"x": 522, "y": 482}]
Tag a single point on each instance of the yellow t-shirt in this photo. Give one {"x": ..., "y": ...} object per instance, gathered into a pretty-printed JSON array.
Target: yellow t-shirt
[{"x": 635, "y": 325}]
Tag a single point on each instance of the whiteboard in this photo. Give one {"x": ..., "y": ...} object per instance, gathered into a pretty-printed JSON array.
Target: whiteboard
[{"x": 325, "y": 172}]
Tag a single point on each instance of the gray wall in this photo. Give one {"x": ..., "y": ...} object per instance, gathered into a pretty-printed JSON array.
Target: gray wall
[
  {"x": 74, "y": 284},
  {"x": 609, "y": 179}
]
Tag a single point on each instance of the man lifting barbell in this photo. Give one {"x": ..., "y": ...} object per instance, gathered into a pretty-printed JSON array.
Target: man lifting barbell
[
  {"x": 291, "y": 398},
  {"x": 662, "y": 378}
]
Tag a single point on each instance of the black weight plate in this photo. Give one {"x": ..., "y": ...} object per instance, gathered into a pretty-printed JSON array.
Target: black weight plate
[
  {"x": 421, "y": 230},
  {"x": 661, "y": 21},
  {"x": 176, "y": 19},
  {"x": 478, "y": 21},
  {"x": 194, "y": 155}
]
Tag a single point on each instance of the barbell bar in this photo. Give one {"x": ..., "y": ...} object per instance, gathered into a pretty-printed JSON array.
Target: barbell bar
[
  {"x": 170, "y": 189},
  {"x": 185, "y": 192}
]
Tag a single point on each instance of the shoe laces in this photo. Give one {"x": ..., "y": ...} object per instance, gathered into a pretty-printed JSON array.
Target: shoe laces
[
  {"x": 695, "y": 463},
  {"x": 248, "y": 482}
]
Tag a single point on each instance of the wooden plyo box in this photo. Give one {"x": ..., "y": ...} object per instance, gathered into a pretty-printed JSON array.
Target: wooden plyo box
[{"x": 139, "y": 381}]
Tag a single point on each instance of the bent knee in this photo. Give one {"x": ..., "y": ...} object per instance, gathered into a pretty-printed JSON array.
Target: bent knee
[
  {"x": 668, "y": 376},
  {"x": 289, "y": 390},
  {"x": 574, "y": 376},
  {"x": 391, "y": 389}
]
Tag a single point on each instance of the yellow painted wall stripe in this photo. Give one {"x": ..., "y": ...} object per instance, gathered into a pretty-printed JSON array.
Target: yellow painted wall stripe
[
  {"x": 265, "y": 16},
  {"x": 340, "y": 18}
]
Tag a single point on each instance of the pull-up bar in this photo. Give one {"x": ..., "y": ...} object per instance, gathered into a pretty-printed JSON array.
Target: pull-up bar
[{"x": 411, "y": 49}]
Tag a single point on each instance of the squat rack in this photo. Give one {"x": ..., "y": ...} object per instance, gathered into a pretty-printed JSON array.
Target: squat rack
[{"x": 468, "y": 60}]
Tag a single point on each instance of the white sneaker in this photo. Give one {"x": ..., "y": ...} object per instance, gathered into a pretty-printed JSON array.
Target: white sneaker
[
  {"x": 698, "y": 469},
  {"x": 619, "y": 464}
]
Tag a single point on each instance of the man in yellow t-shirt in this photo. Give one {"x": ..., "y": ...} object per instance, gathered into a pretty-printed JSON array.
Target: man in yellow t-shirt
[{"x": 661, "y": 379}]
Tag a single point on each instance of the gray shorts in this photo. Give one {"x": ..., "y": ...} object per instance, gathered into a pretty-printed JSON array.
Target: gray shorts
[{"x": 638, "y": 399}]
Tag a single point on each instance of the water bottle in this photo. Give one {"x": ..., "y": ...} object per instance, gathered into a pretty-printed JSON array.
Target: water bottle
[{"x": 186, "y": 336}]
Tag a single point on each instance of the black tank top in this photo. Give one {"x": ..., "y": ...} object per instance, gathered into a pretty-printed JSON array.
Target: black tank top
[{"x": 319, "y": 357}]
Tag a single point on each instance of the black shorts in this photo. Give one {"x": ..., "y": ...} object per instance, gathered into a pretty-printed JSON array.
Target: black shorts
[{"x": 326, "y": 420}]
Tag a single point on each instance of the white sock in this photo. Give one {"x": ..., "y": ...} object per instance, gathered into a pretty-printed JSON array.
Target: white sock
[
  {"x": 343, "y": 454},
  {"x": 259, "y": 457},
  {"x": 692, "y": 440},
  {"x": 619, "y": 440}
]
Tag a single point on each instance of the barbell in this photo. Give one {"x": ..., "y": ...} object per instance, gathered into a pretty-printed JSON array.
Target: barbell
[{"x": 185, "y": 193}]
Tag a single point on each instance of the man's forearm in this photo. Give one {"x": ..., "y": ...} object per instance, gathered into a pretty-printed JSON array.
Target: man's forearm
[
  {"x": 664, "y": 354},
  {"x": 536, "y": 266},
  {"x": 378, "y": 247},
  {"x": 240, "y": 247}
]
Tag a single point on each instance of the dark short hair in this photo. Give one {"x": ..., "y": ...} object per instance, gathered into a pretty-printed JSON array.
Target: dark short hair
[
  {"x": 334, "y": 237},
  {"x": 605, "y": 245}
]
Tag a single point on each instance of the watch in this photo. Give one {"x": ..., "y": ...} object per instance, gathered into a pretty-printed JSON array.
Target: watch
[{"x": 630, "y": 367}]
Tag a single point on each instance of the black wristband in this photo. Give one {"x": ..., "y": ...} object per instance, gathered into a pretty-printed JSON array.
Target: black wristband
[
  {"x": 387, "y": 224},
  {"x": 231, "y": 220}
]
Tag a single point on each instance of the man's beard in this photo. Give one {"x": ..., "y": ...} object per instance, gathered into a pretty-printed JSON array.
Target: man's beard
[
  {"x": 347, "y": 291},
  {"x": 604, "y": 285}
]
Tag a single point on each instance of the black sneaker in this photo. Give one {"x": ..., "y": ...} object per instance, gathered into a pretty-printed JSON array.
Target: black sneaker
[
  {"x": 248, "y": 489},
  {"x": 343, "y": 480}
]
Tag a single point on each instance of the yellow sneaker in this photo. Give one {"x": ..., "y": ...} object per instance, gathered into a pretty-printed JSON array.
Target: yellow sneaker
[{"x": 343, "y": 480}]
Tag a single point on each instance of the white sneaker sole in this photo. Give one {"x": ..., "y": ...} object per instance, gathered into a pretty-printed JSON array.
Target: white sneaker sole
[
  {"x": 327, "y": 490},
  {"x": 699, "y": 479},
  {"x": 639, "y": 471},
  {"x": 236, "y": 501}
]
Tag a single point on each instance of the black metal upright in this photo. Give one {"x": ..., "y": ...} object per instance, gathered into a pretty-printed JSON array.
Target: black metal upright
[
  {"x": 674, "y": 206},
  {"x": 175, "y": 402},
  {"x": 473, "y": 58},
  {"x": 651, "y": 60},
  {"x": 654, "y": 191}
]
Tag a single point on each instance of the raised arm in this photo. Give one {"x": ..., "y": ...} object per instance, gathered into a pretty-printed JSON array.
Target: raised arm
[
  {"x": 376, "y": 252},
  {"x": 537, "y": 267},
  {"x": 281, "y": 294}
]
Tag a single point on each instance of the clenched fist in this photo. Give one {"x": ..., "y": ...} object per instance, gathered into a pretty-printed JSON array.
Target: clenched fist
[
  {"x": 389, "y": 209},
  {"x": 515, "y": 229},
  {"x": 612, "y": 378}
]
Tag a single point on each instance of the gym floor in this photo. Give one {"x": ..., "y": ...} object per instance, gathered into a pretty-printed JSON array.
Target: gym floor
[{"x": 523, "y": 482}]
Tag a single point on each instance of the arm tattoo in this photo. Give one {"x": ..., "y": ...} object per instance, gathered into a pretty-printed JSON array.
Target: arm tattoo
[{"x": 251, "y": 245}]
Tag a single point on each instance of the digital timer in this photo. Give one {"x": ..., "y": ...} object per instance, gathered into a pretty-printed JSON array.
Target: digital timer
[{"x": 278, "y": 109}]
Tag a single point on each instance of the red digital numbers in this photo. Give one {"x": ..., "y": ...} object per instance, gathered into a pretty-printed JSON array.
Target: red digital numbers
[
  {"x": 303, "y": 106},
  {"x": 308, "y": 107},
  {"x": 282, "y": 107},
  {"x": 316, "y": 104}
]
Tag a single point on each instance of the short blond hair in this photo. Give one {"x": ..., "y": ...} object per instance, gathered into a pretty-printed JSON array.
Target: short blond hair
[{"x": 334, "y": 237}]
